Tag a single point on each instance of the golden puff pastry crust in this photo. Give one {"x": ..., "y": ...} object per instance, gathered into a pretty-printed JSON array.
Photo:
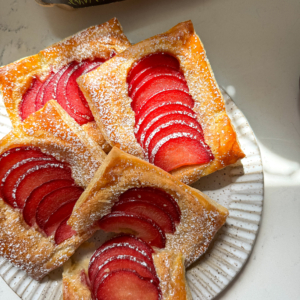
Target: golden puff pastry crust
[
  {"x": 106, "y": 90},
  {"x": 55, "y": 133},
  {"x": 93, "y": 131},
  {"x": 201, "y": 217},
  {"x": 74, "y": 285},
  {"x": 95, "y": 42},
  {"x": 169, "y": 269},
  {"x": 171, "y": 273}
]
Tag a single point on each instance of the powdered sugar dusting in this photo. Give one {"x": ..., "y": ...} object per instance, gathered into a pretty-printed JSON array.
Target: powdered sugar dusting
[
  {"x": 164, "y": 140},
  {"x": 165, "y": 125},
  {"x": 172, "y": 112},
  {"x": 163, "y": 104},
  {"x": 55, "y": 133},
  {"x": 200, "y": 217},
  {"x": 32, "y": 170},
  {"x": 113, "y": 115},
  {"x": 116, "y": 245},
  {"x": 59, "y": 135},
  {"x": 107, "y": 91},
  {"x": 120, "y": 257},
  {"x": 157, "y": 76},
  {"x": 22, "y": 162},
  {"x": 100, "y": 41},
  {"x": 193, "y": 236},
  {"x": 30, "y": 250}
]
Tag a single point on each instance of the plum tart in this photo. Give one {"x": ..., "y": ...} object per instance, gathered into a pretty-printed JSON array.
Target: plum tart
[
  {"x": 130, "y": 195},
  {"x": 164, "y": 224},
  {"x": 144, "y": 274},
  {"x": 158, "y": 100},
  {"x": 28, "y": 84},
  {"x": 45, "y": 165}
]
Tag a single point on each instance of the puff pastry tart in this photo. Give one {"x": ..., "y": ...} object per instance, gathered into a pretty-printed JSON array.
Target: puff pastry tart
[
  {"x": 142, "y": 273},
  {"x": 129, "y": 195},
  {"x": 45, "y": 165},
  {"x": 27, "y": 84},
  {"x": 158, "y": 100}
]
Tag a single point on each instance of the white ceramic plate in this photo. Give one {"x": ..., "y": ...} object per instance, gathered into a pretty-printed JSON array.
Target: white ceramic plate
[{"x": 238, "y": 187}]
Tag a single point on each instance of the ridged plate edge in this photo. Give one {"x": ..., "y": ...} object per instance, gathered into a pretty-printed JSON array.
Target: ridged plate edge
[
  {"x": 235, "y": 241},
  {"x": 231, "y": 248}
]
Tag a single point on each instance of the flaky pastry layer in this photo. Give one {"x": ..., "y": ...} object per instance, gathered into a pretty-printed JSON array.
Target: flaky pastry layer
[
  {"x": 53, "y": 131},
  {"x": 93, "y": 131},
  {"x": 106, "y": 90},
  {"x": 201, "y": 217},
  {"x": 95, "y": 42},
  {"x": 169, "y": 269},
  {"x": 74, "y": 286}
]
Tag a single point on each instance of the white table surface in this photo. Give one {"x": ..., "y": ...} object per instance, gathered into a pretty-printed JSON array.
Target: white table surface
[{"x": 254, "y": 50}]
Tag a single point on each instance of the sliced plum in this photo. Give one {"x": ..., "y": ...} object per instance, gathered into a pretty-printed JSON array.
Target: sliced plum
[
  {"x": 28, "y": 100},
  {"x": 157, "y": 112},
  {"x": 61, "y": 94},
  {"x": 38, "y": 176},
  {"x": 153, "y": 196},
  {"x": 51, "y": 88},
  {"x": 14, "y": 175},
  {"x": 93, "y": 64},
  {"x": 53, "y": 201},
  {"x": 15, "y": 155},
  {"x": 143, "y": 74},
  {"x": 172, "y": 96},
  {"x": 123, "y": 262},
  {"x": 37, "y": 195},
  {"x": 63, "y": 212},
  {"x": 61, "y": 86},
  {"x": 163, "y": 112},
  {"x": 76, "y": 99},
  {"x": 126, "y": 285},
  {"x": 104, "y": 253},
  {"x": 84, "y": 68},
  {"x": 143, "y": 228},
  {"x": 40, "y": 95},
  {"x": 166, "y": 121},
  {"x": 128, "y": 240},
  {"x": 170, "y": 132},
  {"x": 150, "y": 74},
  {"x": 157, "y": 85},
  {"x": 181, "y": 151},
  {"x": 150, "y": 61},
  {"x": 147, "y": 210},
  {"x": 63, "y": 232},
  {"x": 158, "y": 108}
]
